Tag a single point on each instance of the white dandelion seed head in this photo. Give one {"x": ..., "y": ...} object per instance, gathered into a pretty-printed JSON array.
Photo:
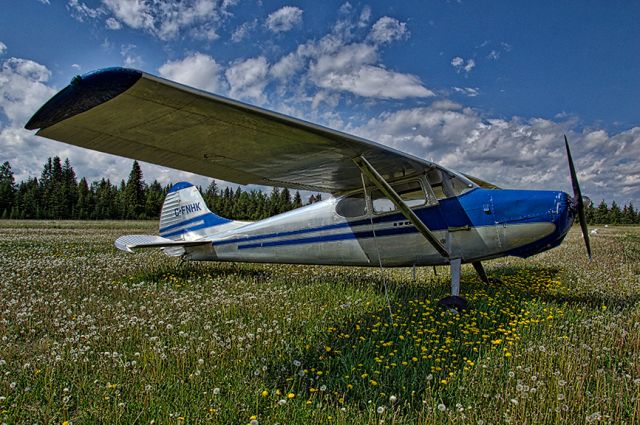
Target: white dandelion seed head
[
  {"x": 216, "y": 391},
  {"x": 393, "y": 399},
  {"x": 282, "y": 402},
  {"x": 442, "y": 407},
  {"x": 297, "y": 363},
  {"x": 380, "y": 410}
]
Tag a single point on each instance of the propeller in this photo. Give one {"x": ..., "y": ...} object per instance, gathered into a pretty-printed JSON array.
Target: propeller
[{"x": 579, "y": 202}]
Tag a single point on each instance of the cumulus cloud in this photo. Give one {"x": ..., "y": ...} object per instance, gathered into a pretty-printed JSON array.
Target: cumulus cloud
[
  {"x": 81, "y": 11},
  {"x": 197, "y": 70},
  {"x": 164, "y": 19},
  {"x": 112, "y": 24},
  {"x": 130, "y": 58},
  {"x": 243, "y": 31},
  {"x": 459, "y": 64},
  {"x": 23, "y": 89},
  {"x": 388, "y": 29},
  {"x": 3, "y": 48},
  {"x": 248, "y": 78},
  {"x": 352, "y": 68},
  {"x": 284, "y": 19},
  {"x": 516, "y": 152},
  {"x": 468, "y": 91}
]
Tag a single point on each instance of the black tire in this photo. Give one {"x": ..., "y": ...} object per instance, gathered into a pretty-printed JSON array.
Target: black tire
[{"x": 454, "y": 302}]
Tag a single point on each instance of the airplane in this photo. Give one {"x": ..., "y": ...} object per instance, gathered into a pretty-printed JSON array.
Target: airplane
[{"x": 388, "y": 209}]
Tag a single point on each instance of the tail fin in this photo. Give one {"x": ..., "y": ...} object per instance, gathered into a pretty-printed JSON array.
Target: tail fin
[{"x": 185, "y": 215}]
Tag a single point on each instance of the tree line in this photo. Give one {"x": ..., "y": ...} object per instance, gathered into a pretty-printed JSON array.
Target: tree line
[{"x": 58, "y": 194}]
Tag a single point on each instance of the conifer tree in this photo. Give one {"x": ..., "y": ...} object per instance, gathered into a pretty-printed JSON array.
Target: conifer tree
[
  {"x": 7, "y": 190},
  {"x": 134, "y": 196}
]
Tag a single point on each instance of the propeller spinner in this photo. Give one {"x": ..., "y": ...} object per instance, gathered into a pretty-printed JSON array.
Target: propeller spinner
[{"x": 578, "y": 200}]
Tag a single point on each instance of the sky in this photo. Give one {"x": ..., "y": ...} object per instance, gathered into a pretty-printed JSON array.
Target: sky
[{"x": 484, "y": 87}]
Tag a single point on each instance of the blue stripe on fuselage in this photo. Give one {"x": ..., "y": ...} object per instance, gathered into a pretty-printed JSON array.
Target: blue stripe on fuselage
[{"x": 476, "y": 208}]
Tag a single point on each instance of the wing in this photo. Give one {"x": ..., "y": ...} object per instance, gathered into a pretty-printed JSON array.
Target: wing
[{"x": 137, "y": 115}]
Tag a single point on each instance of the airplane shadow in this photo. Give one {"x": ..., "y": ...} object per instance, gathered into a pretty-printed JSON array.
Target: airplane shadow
[{"x": 422, "y": 348}]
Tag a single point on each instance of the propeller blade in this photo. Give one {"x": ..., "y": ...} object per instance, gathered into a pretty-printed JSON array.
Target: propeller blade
[{"x": 578, "y": 199}]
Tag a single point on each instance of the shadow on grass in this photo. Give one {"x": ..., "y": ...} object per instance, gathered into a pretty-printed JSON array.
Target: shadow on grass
[{"x": 420, "y": 349}]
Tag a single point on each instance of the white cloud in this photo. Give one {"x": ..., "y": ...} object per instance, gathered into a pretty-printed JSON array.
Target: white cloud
[
  {"x": 81, "y": 11},
  {"x": 168, "y": 19},
  {"x": 459, "y": 64},
  {"x": 351, "y": 69},
  {"x": 468, "y": 91},
  {"x": 516, "y": 152},
  {"x": 288, "y": 65},
  {"x": 372, "y": 81},
  {"x": 129, "y": 57},
  {"x": 23, "y": 89},
  {"x": 388, "y": 29},
  {"x": 136, "y": 14},
  {"x": 284, "y": 19},
  {"x": 248, "y": 78},
  {"x": 113, "y": 24},
  {"x": 243, "y": 31},
  {"x": 3, "y": 48},
  {"x": 197, "y": 70},
  {"x": 365, "y": 16}
]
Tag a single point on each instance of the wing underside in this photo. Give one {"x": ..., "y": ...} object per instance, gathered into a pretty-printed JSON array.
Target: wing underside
[{"x": 137, "y": 115}]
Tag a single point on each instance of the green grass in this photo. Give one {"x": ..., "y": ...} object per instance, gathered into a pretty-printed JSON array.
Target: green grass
[{"x": 90, "y": 334}]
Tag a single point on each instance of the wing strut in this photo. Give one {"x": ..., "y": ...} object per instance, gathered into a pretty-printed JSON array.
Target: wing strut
[{"x": 373, "y": 176}]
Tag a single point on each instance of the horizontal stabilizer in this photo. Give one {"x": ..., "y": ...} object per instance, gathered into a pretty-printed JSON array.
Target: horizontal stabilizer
[{"x": 130, "y": 242}]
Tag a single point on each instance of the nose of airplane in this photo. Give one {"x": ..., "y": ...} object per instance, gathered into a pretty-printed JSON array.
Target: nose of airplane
[{"x": 565, "y": 214}]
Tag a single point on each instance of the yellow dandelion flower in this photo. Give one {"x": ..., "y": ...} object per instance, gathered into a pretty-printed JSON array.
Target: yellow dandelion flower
[
  {"x": 291, "y": 395},
  {"x": 264, "y": 393}
]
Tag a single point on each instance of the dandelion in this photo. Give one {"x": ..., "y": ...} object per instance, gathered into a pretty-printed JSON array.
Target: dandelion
[
  {"x": 264, "y": 393},
  {"x": 290, "y": 396},
  {"x": 297, "y": 363},
  {"x": 380, "y": 410},
  {"x": 442, "y": 407},
  {"x": 393, "y": 399},
  {"x": 216, "y": 391},
  {"x": 282, "y": 402},
  {"x": 514, "y": 401}
]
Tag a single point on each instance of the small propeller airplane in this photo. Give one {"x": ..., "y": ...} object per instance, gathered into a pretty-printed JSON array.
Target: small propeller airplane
[{"x": 389, "y": 208}]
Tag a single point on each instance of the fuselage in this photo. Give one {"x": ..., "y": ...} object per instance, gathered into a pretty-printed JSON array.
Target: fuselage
[{"x": 476, "y": 225}]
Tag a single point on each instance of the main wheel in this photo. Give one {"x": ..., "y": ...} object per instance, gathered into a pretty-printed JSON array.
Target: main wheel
[{"x": 454, "y": 302}]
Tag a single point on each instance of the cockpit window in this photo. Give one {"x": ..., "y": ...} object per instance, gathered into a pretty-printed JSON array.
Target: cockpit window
[
  {"x": 446, "y": 185},
  {"x": 411, "y": 193},
  {"x": 352, "y": 206}
]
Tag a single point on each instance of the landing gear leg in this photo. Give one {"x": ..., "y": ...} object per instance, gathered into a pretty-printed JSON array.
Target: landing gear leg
[
  {"x": 483, "y": 275},
  {"x": 455, "y": 301}
]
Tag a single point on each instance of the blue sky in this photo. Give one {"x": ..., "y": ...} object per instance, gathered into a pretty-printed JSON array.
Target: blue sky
[{"x": 483, "y": 87}]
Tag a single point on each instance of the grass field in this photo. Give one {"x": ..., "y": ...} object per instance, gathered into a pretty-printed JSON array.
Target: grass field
[{"x": 90, "y": 334}]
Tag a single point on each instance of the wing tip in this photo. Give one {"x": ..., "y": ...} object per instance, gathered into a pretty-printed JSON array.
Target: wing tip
[{"x": 83, "y": 93}]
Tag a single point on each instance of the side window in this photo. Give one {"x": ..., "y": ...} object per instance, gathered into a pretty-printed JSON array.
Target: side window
[
  {"x": 445, "y": 185},
  {"x": 411, "y": 193},
  {"x": 352, "y": 206}
]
